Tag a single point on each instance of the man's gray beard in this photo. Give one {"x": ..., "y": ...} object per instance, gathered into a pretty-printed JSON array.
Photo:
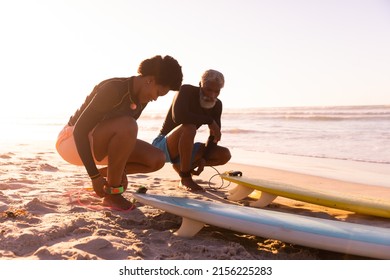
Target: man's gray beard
[
  {"x": 207, "y": 104},
  {"x": 204, "y": 103}
]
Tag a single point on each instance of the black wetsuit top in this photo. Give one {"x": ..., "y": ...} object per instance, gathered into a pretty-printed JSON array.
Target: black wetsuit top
[
  {"x": 186, "y": 109},
  {"x": 109, "y": 99}
]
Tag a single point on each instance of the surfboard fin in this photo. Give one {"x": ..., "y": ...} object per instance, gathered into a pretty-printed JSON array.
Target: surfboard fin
[
  {"x": 264, "y": 200},
  {"x": 189, "y": 227},
  {"x": 239, "y": 192}
]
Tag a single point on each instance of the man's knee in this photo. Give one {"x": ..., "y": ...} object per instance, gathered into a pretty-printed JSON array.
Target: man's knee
[
  {"x": 158, "y": 160},
  {"x": 218, "y": 156},
  {"x": 225, "y": 155}
]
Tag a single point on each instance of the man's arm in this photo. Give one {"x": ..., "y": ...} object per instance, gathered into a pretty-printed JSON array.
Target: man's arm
[{"x": 215, "y": 126}]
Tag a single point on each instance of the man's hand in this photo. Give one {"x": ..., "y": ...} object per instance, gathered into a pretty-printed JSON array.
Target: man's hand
[{"x": 199, "y": 169}]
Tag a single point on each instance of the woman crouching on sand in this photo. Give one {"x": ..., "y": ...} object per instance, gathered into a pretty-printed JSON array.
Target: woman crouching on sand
[{"x": 103, "y": 131}]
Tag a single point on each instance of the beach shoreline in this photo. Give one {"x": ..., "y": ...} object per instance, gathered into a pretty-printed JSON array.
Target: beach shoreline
[
  {"x": 368, "y": 173},
  {"x": 49, "y": 212}
]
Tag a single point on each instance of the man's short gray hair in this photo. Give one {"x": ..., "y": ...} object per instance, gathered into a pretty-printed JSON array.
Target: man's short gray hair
[{"x": 213, "y": 75}]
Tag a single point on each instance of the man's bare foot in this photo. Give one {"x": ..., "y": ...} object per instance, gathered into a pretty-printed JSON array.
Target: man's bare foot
[
  {"x": 190, "y": 185},
  {"x": 117, "y": 201}
]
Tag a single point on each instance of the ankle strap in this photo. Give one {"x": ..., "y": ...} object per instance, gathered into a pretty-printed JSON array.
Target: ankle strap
[{"x": 114, "y": 190}]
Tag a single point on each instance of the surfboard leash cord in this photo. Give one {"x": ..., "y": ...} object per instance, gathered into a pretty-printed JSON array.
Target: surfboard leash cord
[{"x": 222, "y": 185}]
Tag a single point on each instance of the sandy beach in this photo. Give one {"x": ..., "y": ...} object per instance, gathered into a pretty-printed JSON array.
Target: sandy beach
[{"x": 48, "y": 212}]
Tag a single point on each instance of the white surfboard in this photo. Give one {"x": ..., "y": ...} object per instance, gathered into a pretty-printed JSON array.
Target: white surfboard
[{"x": 337, "y": 236}]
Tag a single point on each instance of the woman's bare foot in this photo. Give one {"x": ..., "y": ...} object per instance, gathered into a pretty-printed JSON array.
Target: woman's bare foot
[
  {"x": 190, "y": 185},
  {"x": 124, "y": 182},
  {"x": 117, "y": 201}
]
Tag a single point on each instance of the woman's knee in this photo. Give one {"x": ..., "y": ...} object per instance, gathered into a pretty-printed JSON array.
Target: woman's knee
[
  {"x": 123, "y": 126},
  {"x": 119, "y": 132},
  {"x": 158, "y": 161},
  {"x": 126, "y": 127}
]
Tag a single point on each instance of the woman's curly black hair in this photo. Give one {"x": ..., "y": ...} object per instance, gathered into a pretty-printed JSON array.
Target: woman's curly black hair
[{"x": 166, "y": 71}]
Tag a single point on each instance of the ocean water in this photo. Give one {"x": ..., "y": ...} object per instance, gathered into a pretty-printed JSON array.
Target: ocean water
[
  {"x": 358, "y": 133},
  {"x": 347, "y": 133},
  {"x": 264, "y": 136}
]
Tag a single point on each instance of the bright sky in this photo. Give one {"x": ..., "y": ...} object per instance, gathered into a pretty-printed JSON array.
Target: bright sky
[{"x": 272, "y": 52}]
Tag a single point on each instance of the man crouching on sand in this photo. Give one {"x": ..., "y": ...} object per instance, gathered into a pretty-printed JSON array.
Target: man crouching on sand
[{"x": 191, "y": 108}]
